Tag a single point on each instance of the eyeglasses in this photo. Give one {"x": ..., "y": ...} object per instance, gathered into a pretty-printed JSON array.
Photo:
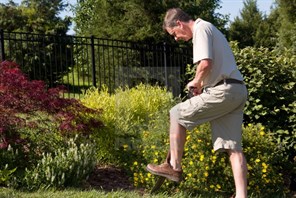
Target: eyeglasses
[{"x": 173, "y": 31}]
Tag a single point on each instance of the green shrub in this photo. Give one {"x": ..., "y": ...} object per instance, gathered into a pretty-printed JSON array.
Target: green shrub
[
  {"x": 67, "y": 166},
  {"x": 271, "y": 81},
  {"x": 5, "y": 175},
  {"x": 209, "y": 171}
]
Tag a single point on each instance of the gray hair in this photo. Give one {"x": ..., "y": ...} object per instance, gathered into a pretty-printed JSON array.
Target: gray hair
[{"x": 173, "y": 15}]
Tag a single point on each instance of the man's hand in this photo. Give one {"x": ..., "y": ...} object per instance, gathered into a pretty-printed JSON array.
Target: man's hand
[
  {"x": 194, "y": 88},
  {"x": 202, "y": 70}
]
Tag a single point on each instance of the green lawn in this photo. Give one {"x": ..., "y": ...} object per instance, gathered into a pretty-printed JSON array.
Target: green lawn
[
  {"x": 75, "y": 193},
  {"x": 9, "y": 193}
]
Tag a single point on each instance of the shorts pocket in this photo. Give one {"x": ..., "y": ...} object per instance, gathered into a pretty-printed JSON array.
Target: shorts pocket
[{"x": 191, "y": 107}]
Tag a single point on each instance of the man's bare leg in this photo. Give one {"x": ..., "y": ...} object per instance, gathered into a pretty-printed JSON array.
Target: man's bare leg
[
  {"x": 239, "y": 169},
  {"x": 177, "y": 142}
]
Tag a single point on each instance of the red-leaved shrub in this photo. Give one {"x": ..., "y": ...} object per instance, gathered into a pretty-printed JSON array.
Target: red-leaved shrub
[{"x": 20, "y": 98}]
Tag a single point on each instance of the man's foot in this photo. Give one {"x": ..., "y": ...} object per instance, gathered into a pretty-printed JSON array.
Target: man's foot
[{"x": 165, "y": 170}]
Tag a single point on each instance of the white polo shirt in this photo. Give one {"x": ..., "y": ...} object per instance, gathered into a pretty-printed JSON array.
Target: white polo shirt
[{"x": 210, "y": 43}]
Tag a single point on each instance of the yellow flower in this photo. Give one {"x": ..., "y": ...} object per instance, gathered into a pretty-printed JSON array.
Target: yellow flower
[
  {"x": 262, "y": 128},
  {"x": 264, "y": 165},
  {"x": 218, "y": 186},
  {"x": 189, "y": 175},
  {"x": 188, "y": 137},
  {"x": 201, "y": 158},
  {"x": 135, "y": 163},
  {"x": 264, "y": 170},
  {"x": 257, "y": 160},
  {"x": 156, "y": 153},
  {"x": 153, "y": 147},
  {"x": 206, "y": 174},
  {"x": 155, "y": 160},
  {"x": 212, "y": 186},
  {"x": 191, "y": 162},
  {"x": 249, "y": 125},
  {"x": 148, "y": 175},
  {"x": 262, "y": 133}
]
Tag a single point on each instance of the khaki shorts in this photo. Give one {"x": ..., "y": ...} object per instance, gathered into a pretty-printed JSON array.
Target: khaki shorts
[{"x": 222, "y": 106}]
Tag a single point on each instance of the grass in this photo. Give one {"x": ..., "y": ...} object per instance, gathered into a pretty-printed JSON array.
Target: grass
[
  {"x": 77, "y": 193},
  {"x": 72, "y": 193}
]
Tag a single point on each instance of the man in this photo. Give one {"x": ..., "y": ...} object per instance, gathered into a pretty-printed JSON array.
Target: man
[{"x": 219, "y": 98}]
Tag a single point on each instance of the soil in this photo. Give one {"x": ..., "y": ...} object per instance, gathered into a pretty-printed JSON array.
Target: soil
[{"x": 109, "y": 178}]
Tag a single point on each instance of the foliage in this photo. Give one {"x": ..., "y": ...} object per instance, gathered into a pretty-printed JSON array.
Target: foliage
[
  {"x": 243, "y": 29},
  {"x": 286, "y": 28},
  {"x": 5, "y": 175},
  {"x": 38, "y": 16},
  {"x": 67, "y": 166},
  {"x": 120, "y": 19},
  {"x": 21, "y": 96},
  {"x": 146, "y": 141},
  {"x": 271, "y": 81},
  {"x": 207, "y": 171},
  {"x": 35, "y": 119},
  {"x": 41, "y": 17},
  {"x": 125, "y": 114}
]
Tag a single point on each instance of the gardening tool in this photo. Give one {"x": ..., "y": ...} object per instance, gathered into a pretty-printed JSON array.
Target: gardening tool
[{"x": 161, "y": 179}]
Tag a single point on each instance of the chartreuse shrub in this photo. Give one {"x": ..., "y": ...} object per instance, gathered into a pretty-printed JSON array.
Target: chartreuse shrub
[
  {"x": 209, "y": 171},
  {"x": 125, "y": 114}
]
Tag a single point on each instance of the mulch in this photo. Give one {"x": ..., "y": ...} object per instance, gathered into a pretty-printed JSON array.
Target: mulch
[{"x": 109, "y": 178}]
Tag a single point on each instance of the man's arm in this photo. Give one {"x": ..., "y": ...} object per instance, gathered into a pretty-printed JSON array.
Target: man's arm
[{"x": 202, "y": 70}]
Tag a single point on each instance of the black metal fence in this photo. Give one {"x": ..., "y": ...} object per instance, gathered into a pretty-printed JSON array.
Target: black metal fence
[{"x": 81, "y": 62}]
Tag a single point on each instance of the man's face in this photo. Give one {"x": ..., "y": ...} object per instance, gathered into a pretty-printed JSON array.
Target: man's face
[{"x": 179, "y": 32}]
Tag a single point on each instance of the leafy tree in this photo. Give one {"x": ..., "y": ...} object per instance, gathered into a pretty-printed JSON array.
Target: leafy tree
[
  {"x": 266, "y": 34},
  {"x": 11, "y": 17},
  {"x": 37, "y": 16},
  {"x": 287, "y": 20},
  {"x": 137, "y": 20},
  {"x": 244, "y": 29}
]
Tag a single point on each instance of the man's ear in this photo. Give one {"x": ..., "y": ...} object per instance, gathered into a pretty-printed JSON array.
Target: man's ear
[{"x": 179, "y": 23}]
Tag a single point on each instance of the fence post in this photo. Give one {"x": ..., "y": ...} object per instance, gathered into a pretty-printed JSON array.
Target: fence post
[
  {"x": 93, "y": 61},
  {"x": 2, "y": 45},
  {"x": 165, "y": 64}
]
